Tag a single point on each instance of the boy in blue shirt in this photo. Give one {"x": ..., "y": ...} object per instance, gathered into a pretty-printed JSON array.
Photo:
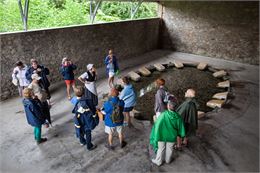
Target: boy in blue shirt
[{"x": 114, "y": 118}]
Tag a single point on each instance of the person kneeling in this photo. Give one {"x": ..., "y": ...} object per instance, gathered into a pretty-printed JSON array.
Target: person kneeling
[
  {"x": 85, "y": 118},
  {"x": 114, "y": 118},
  {"x": 165, "y": 130}
]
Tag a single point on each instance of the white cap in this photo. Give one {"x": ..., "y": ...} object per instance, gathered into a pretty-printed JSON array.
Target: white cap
[
  {"x": 36, "y": 76},
  {"x": 90, "y": 66}
]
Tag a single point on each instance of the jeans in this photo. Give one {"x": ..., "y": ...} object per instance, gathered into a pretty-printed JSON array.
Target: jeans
[
  {"x": 37, "y": 133},
  {"x": 85, "y": 138}
]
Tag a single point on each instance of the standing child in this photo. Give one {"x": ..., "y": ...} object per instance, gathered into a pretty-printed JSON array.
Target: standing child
[
  {"x": 111, "y": 67},
  {"x": 34, "y": 114},
  {"x": 114, "y": 118},
  {"x": 67, "y": 68},
  {"x": 85, "y": 118}
]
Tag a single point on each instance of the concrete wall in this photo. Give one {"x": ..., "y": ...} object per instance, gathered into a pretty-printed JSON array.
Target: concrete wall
[
  {"x": 226, "y": 30},
  {"x": 83, "y": 44}
]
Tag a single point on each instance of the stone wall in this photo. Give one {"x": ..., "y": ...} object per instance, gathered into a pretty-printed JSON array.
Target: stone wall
[
  {"x": 226, "y": 30},
  {"x": 83, "y": 44}
]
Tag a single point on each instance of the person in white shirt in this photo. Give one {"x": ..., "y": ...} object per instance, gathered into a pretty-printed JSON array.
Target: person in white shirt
[
  {"x": 19, "y": 78},
  {"x": 89, "y": 79}
]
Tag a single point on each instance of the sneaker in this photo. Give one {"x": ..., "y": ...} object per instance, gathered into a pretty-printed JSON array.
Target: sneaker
[
  {"x": 41, "y": 141},
  {"x": 82, "y": 144},
  {"x": 123, "y": 144},
  {"x": 93, "y": 147}
]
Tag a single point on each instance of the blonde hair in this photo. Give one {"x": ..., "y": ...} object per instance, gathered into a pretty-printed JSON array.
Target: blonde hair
[
  {"x": 27, "y": 93},
  {"x": 190, "y": 93}
]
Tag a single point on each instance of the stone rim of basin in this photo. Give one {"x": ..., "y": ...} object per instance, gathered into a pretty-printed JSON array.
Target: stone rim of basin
[{"x": 220, "y": 101}]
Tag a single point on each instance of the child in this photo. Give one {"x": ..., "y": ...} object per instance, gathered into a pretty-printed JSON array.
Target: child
[
  {"x": 85, "y": 118},
  {"x": 111, "y": 67},
  {"x": 34, "y": 114},
  {"x": 67, "y": 68},
  {"x": 114, "y": 118}
]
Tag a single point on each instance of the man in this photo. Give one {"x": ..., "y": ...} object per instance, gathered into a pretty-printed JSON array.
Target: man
[
  {"x": 189, "y": 114},
  {"x": 114, "y": 118},
  {"x": 42, "y": 72},
  {"x": 164, "y": 133}
]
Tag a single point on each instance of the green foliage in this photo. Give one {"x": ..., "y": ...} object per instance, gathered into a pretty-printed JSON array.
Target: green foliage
[{"x": 57, "y": 13}]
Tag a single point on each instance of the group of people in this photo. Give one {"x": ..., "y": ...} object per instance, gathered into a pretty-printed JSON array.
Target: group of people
[
  {"x": 172, "y": 126},
  {"x": 173, "y": 123}
]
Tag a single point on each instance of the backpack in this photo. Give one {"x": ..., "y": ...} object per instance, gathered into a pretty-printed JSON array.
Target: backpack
[{"x": 117, "y": 114}]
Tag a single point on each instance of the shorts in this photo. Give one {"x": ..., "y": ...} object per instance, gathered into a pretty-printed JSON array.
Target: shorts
[
  {"x": 111, "y": 74},
  {"x": 111, "y": 130},
  {"x": 129, "y": 109},
  {"x": 69, "y": 82}
]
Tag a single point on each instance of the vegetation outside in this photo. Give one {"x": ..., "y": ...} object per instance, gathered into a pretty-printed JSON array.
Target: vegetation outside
[{"x": 58, "y": 13}]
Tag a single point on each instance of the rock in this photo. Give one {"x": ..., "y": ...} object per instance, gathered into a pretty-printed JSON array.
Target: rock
[
  {"x": 159, "y": 67},
  {"x": 215, "y": 103},
  {"x": 202, "y": 66},
  {"x": 144, "y": 71},
  {"x": 201, "y": 114},
  {"x": 134, "y": 76},
  {"x": 170, "y": 64},
  {"x": 225, "y": 84},
  {"x": 220, "y": 73},
  {"x": 221, "y": 96},
  {"x": 178, "y": 64}
]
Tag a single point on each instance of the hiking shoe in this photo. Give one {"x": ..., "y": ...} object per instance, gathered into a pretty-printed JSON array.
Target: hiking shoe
[
  {"x": 93, "y": 147},
  {"x": 123, "y": 144},
  {"x": 41, "y": 141}
]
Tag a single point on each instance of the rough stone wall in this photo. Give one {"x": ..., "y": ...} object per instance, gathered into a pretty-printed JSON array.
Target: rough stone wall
[
  {"x": 83, "y": 44},
  {"x": 226, "y": 30}
]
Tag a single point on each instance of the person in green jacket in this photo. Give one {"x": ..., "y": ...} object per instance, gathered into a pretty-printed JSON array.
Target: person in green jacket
[
  {"x": 164, "y": 134},
  {"x": 189, "y": 114}
]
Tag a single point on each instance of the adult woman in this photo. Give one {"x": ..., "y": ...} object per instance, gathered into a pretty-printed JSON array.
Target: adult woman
[
  {"x": 89, "y": 79},
  {"x": 129, "y": 97},
  {"x": 111, "y": 67},
  {"x": 67, "y": 68},
  {"x": 19, "y": 78},
  {"x": 42, "y": 72}
]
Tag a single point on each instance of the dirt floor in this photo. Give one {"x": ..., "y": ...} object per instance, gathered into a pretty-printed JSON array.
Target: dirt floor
[
  {"x": 177, "y": 82},
  {"x": 229, "y": 138}
]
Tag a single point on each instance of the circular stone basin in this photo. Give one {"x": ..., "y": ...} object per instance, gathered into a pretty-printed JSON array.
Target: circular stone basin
[{"x": 177, "y": 82}]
